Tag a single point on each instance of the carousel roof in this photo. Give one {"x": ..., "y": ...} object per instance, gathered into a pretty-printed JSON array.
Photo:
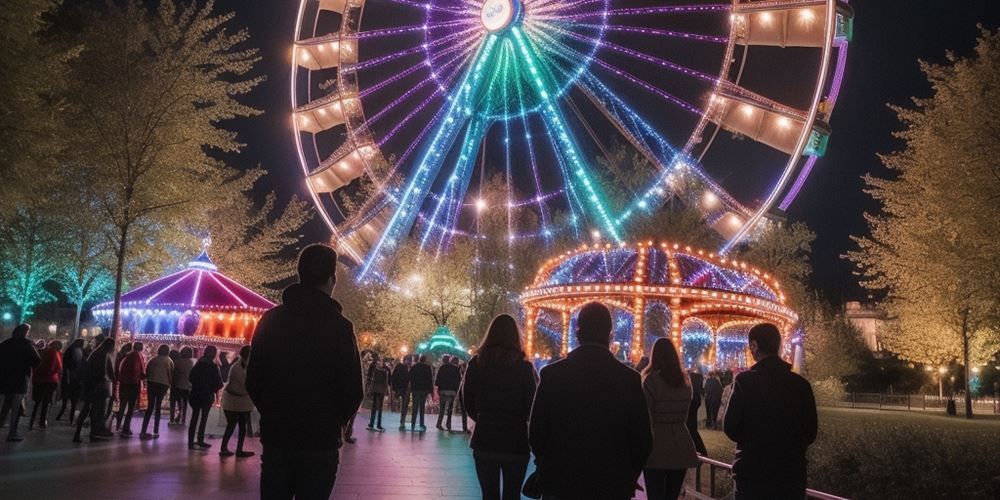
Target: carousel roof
[
  {"x": 662, "y": 265},
  {"x": 200, "y": 286}
]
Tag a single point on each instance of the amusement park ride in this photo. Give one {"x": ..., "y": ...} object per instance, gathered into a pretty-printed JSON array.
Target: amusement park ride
[{"x": 400, "y": 106}]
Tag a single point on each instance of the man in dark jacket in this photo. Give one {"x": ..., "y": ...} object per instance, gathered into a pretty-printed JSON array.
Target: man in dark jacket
[
  {"x": 421, "y": 384},
  {"x": 17, "y": 358},
  {"x": 697, "y": 388},
  {"x": 772, "y": 417},
  {"x": 589, "y": 427},
  {"x": 304, "y": 376},
  {"x": 713, "y": 399},
  {"x": 449, "y": 379},
  {"x": 401, "y": 389}
]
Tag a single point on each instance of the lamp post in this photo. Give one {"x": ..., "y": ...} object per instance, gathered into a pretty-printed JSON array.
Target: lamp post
[{"x": 941, "y": 372}]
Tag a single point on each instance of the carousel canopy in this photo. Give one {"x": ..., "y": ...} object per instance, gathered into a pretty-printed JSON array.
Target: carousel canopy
[
  {"x": 442, "y": 342},
  {"x": 198, "y": 287}
]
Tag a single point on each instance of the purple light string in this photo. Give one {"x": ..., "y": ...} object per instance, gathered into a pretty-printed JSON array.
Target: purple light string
[
  {"x": 413, "y": 50},
  {"x": 428, "y": 6},
  {"x": 639, "y": 11},
  {"x": 412, "y": 69},
  {"x": 531, "y": 151},
  {"x": 659, "y": 32},
  {"x": 545, "y": 7},
  {"x": 643, "y": 56},
  {"x": 406, "y": 29}
]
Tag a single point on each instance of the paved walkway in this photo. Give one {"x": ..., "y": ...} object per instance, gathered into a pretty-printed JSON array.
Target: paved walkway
[{"x": 392, "y": 465}]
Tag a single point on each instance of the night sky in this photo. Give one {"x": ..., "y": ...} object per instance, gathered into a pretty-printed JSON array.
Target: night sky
[{"x": 890, "y": 36}]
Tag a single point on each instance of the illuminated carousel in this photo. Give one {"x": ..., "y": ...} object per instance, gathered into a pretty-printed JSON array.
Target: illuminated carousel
[
  {"x": 703, "y": 302},
  {"x": 197, "y": 306}
]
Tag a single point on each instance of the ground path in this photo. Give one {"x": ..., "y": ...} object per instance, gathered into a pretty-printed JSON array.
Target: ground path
[{"x": 391, "y": 465}]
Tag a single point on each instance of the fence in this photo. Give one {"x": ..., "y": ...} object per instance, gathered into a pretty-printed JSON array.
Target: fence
[
  {"x": 915, "y": 402},
  {"x": 714, "y": 488}
]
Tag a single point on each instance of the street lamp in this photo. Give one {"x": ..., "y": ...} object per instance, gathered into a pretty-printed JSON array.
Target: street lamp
[{"x": 941, "y": 371}]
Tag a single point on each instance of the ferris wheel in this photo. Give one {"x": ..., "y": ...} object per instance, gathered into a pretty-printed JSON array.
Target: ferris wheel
[{"x": 401, "y": 109}]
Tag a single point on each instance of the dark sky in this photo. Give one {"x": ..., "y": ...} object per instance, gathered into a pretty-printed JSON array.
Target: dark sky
[{"x": 890, "y": 35}]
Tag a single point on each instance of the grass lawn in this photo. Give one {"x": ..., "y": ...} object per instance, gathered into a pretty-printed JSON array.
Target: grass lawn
[{"x": 896, "y": 454}]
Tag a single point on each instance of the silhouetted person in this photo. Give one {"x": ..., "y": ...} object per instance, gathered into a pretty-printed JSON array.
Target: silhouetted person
[
  {"x": 697, "y": 387},
  {"x": 304, "y": 376},
  {"x": 159, "y": 376},
  {"x": 224, "y": 365},
  {"x": 460, "y": 400},
  {"x": 206, "y": 380},
  {"x": 123, "y": 351},
  {"x": 421, "y": 384},
  {"x": 237, "y": 406},
  {"x": 180, "y": 389},
  {"x": 589, "y": 427},
  {"x": 17, "y": 359},
  {"x": 378, "y": 385},
  {"x": 449, "y": 379},
  {"x": 131, "y": 373},
  {"x": 44, "y": 382},
  {"x": 98, "y": 382},
  {"x": 668, "y": 395},
  {"x": 401, "y": 389},
  {"x": 713, "y": 399},
  {"x": 772, "y": 417},
  {"x": 498, "y": 389},
  {"x": 72, "y": 378}
]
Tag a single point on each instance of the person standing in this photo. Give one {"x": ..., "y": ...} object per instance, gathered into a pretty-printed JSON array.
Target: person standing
[
  {"x": 17, "y": 359},
  {"x": 498, "y": 389},
  {"x": 421, "y": 384},
  {"x": 159, "y": 377},
  {"x": 460, "y": 399},
  {"x": 589, "y": 426},
  {"x": 71, "y": 379},
  {"x": 378, "y": 384},
  {"x": 237, "y": 406},
  {"x": 448, "y": 381},
  {"x": 99, "y": 377},
  {"x": 224, "y": 365},
  {"x": 772, "y": 418},
  {"x": 180, "y": 389},
  {"x": 206, "y": 380},
  {"x": 668, "y": 396},
  {"x": 44, "y": 382},
  {"x": 131, "y": 373},
  {"x": 123, "y": 351},
  {"x": 713, "y": 399},
  {"x": 697, "y": 387},
  {"x": 305, "y": 378},
  {"x": 401, "y": 389}
]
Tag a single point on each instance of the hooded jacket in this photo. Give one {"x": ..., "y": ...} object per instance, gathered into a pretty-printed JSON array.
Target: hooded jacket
[{"x": 304, "y": 373}]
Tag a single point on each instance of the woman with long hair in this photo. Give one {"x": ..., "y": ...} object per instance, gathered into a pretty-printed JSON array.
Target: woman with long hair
[
  {"x": 498, "y": 389},
  {"x": 237, "y": 405},
  {"x": 668, "y": 395},
  {"x": 180, "y": 388}
]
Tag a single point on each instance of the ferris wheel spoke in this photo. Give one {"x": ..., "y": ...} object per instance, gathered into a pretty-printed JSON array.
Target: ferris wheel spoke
[
  {"x": 402, "y": 30},
  {"x": 557, "y": 6},
  {"x": 641, "y": 30},
  {"x": 427, "y": 5},
  {"x": 645, "y": 11},
  {"x": 460, "y": 37},
  {"x": 406, "y": 95},
  {"x": 426, "y": 170}
]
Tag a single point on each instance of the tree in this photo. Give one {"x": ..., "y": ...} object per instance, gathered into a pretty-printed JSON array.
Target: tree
[
  {"x": 27, "y": 260},
  {"x": 31, "y": 77},
  {"x": 255, "y": 244},
  {"x": 149, "y": 90},
  {"x": 834, "y": 347},
  {"x": 784, "y": 251},
  {"x": 932, "y": 250}
]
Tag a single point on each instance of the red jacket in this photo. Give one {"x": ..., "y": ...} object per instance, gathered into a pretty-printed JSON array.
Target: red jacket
[
  {"x": 49, "y": 369},
  {"x": 132, "y": 369}
]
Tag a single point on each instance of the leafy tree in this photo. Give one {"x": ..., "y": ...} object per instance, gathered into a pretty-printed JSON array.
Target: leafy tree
[
  {"x": 149, "y": 90},
  {"x": 834, "y": 347},
  {"x": 932, "y": 249},
  {"x": 31, "y": 79},
  {"x": 255, "y": 243},
  {"x": 26, "y": 260},
  {"x": 783, "y": 251}
]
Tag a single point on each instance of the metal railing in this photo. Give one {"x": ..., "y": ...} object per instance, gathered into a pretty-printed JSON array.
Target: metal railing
[
  {"x": 713, "y": 490},
  {"x": 914, "y": 402}
]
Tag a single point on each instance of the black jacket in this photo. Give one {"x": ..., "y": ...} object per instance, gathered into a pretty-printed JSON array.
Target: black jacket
[
  {"x": 498, "y": 398},
  {"x": 772, "y": 417},
  {"x": 449, "y": 378},
  {"x": 206, "y": 381},
  {"x": 73, "y": 366},
  {"x": 589, "y": 427},
  {"x": 304, "y": 373},
  {"x": 99, "y": 374},
  {"x": 400, "y": 378},
  {"x": 17, "y": 358},
  {"x": 421, "y": 378}
]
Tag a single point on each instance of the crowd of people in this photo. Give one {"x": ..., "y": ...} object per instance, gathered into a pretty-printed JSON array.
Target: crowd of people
[
  {"x": 96, "y": 378},
  {"x": 594, "y": 425}
]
